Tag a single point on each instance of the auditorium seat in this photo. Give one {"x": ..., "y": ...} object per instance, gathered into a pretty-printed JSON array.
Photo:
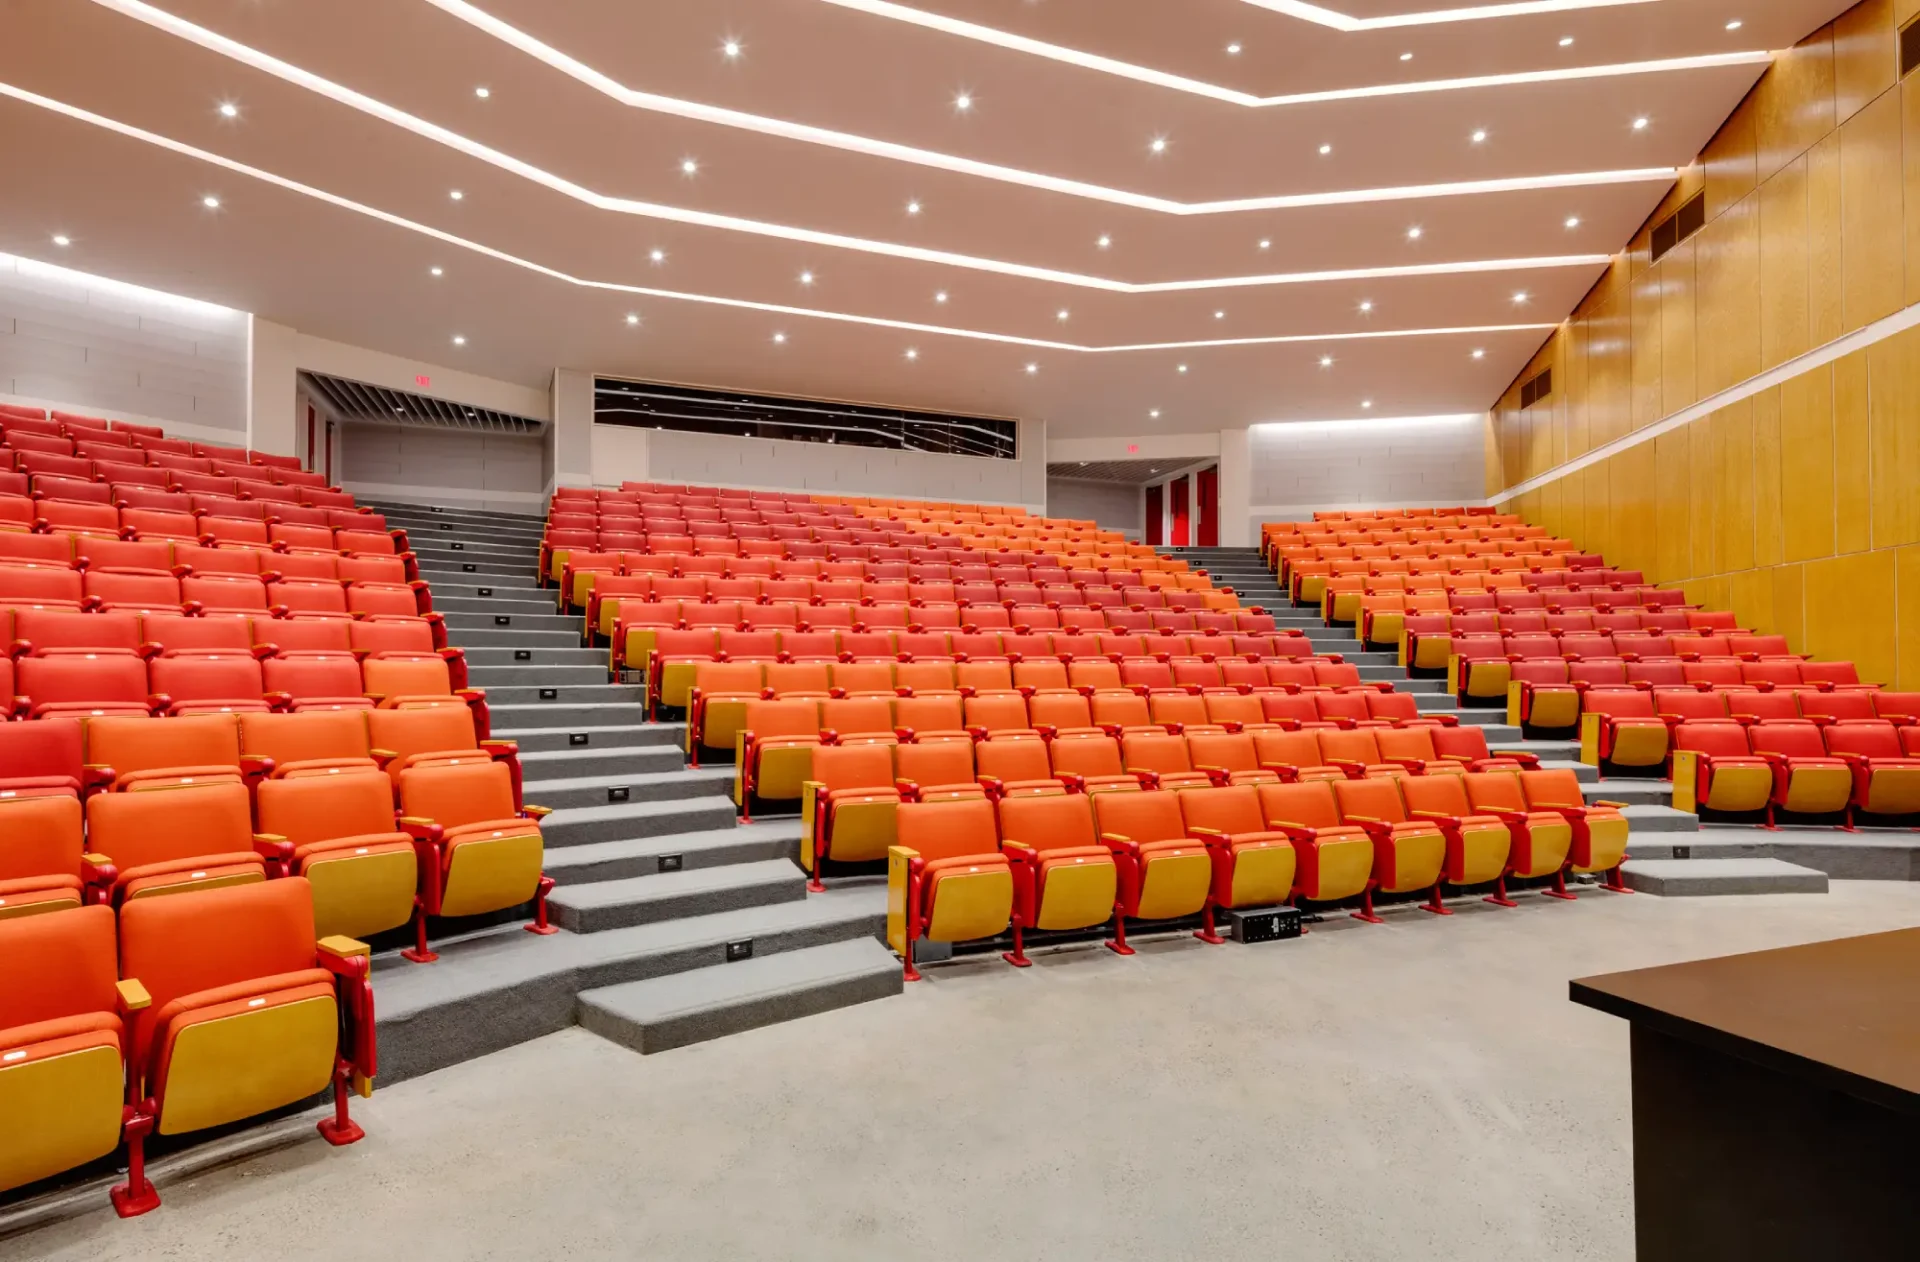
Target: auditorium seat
[
  {"x": 1619, "y": 729},
  {"x": 1599, "y": 827},
  {"x": 187, "y": 837},
  {"x": 1886, "y": 781},
  {"x": 317, "y": 742},
  {"x": 1333, "y": 860},
  {"x": 847, "y": 806},
  {"x": 1408, "y": 854},
  {"x": 144, "y": 753},
  {"x": 773, "y": 752},
  {"x": 1014, "y": 765},
  {"x": 1479, "y": 846},
  {"x": 1807, "y": 780},
  {"x": 1163, "y": 872},
  {"x": 478, "y": 852},
  {"x": 1540, "y": 840},
  {"x": 947, "y": 880},
  {"x": 345, "y": 842},
  {"x": 1063, "y": 877},
  {"x": 43, "y": 867}
]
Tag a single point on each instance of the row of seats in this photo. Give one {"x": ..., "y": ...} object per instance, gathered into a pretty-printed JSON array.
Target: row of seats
[
  {"x": 1550, "y": 696},
  {"x": 173, "y": 1016},
  {"x": 580, "y": 585},
  {"x": 579, "y": 571},
  {"x": 82, "y": 551},
  {"x": 1485, "y": 667},
  {"x": 1425, "y": 639},
  {"x": 966, "y": 868},
  {"x": 112, "y": 588},
  {"x": 1851, "y": 768},
  {"x": 1626, "y": 729},
  {"x": 43, "y": 632}
]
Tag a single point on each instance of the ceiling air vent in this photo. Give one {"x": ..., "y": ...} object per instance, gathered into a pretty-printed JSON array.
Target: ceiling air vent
[
  {"x": 1537, "y": 388},
  {"x": 377, "y": 405},
  {"x": 1909, "y": 47},
  {"x": 1680, "y": 225}
]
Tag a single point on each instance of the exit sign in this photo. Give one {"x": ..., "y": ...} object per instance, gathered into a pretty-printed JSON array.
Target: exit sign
[{"x": 423, "y": 381}]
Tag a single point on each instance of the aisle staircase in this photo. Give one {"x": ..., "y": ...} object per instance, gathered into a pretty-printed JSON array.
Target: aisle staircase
[
  {"x": 677, "y": 922},
  {"x": 1673, "y": 855}
]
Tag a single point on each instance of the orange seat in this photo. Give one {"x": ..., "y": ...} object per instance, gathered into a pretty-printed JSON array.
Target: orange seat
[
  {"x": 236, "y": 977},
  {"x": 930, "y": 717},
  {"x": 315, "y": 742},
  {"x": 1014, "y": 766},
  {"x": 1333, "y": 860},
  {"x": 1294, "y": 756},
  {"x": 344, "y": 840},
  {"x": 1160, "y": 761},
  {"x": 1253, "y": 865},
  {"x": 717, "y": 703},
  {"x": 413, "y": 680},
  {"x": 42, "y": 867},
  {"x": 1228, "y": 758},
  {"x": 403, "y": 740},
  {"x": 1715, "y": 768},
  {"x": 1163, "y": 872},
  {"x": 773, "y": 752},
  {"x": 314, "y": 681},
  {"x": 477, "y": 853},
  {"x": 189, "y": 837},
  {"x": 1063, "y": 877},
  {"x": 847, "y": 806},
  {"x": 1540, "y": 839},
  {"x": 163, "y": 753},
  {"x": 946, "y": 878},
  {"x": 1478, "y": 845},
  {"x": 1599, "y": 828},
  {"x": 1408, "y": 854},
  {"x": 1090, "y": 764}
]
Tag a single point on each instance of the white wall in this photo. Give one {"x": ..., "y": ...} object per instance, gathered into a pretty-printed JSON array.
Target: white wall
[
  {"x": 86, "y": 343},
  {"x": 626, "y": 453},
  {"x": 1109, "y": 505},
  {"x": 1303, "y": 466},
  {"x": 457, "y": 468}
]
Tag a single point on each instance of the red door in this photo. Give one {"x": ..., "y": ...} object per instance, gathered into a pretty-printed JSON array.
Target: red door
[
  {"x": 1206, "y": 486},
  {"x": 1156, "y": 528},
  {"x": 1177, "y": 492}
]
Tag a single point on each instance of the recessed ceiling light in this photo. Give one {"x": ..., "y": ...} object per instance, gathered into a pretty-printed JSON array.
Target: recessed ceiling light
[
  {"x": 1154, "y": 413},
  {"x": 1233, "y": 50},
  {"x": 1325, "y": 150},
  {"x": 1566, "y": 41},
  {"x": 459, "y": 340},
  {"x": 1406, "y": 56},
  {"x": 1159, "y": 144},
  {"x": 229, "y": 110},
  {"x": 1366, "y": 403},
  {"x": 1520, "y": 296},
  {"x": 779, "y": 337},
  {"x": 1573, "y": 221},
  {"x": 1366, "y": 304},
  {"x": 1478, "y": 353},
  {"x": 632, "y": 318},
  {"x": 1734, "y": 25},
  {"x": 658, "y": 256},
  {"x": 1105, "y": 242},
  {"x": 483, "y": 93},
  {"x": 806, "y": 278},
  {"x": 688, "y": 166},
  {"x": 963, "y": 102},
  {"x": 60, "y": 238},
  {"x": 1032, "y": 368},
  {"x": 731, "y": 48},
  {"x": 455, "y": 194},
  {"x": 1639, "y": 124},
  {"x": 1479, "y": 137},
  {"x": 1183, "y": 368},
  {"x": 1326, "y": 361},
  {"x": 913, "y": 208},
  {"x": 941, "y": 296},
  {"x": 210, "y": 202},
  {"x": 912, "y": 353},
  {"x": 435, "y": 271},
  {"x": 1413, "y": 233},
  {"x": 1062, "y": 313}
]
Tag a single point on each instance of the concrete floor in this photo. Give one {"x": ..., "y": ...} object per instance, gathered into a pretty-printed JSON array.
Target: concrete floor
[{"x": 1418, "y": 1089}]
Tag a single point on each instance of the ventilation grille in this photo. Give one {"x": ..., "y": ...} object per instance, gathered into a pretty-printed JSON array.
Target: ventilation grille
[
  {"x": 1536, "y": 388},
  {"x": 1680, "y": 225},
  {"x": 377, "y": 405},
  {"x": 695, "y": 411},
  {"x": 1909, "y": 48}
]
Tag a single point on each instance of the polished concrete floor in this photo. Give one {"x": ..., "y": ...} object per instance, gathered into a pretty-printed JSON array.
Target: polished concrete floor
[{"x": 1420, "y": 1089}]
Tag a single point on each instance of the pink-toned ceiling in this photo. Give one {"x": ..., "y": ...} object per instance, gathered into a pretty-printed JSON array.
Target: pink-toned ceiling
[{"x": 543, "y": 261}]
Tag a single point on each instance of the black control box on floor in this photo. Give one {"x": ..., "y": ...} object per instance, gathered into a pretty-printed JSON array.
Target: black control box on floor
[{"x": 1265, "y": 924}]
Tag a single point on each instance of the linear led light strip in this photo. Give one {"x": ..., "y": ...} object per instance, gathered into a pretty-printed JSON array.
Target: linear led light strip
[
  {"x": 1196, "y": 87},
  {"x": 267, "y": 64},
  {"x": 398, "y": 221},
  {"x": 1342, "y": 22}
]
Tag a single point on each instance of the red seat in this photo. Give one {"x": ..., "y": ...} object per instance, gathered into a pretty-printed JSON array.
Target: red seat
[
  {"x": 1806, "y": 778},
  {"x": 203, "y": 683},
  {"x": 1715, "y": 768},
  {"x": 1886, "y": 782},
  {"x": 83, "y": 684}
]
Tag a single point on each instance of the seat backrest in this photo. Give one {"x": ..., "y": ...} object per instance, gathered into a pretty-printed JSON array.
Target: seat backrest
[
  {"x": 1377, "y": 797},
  {"x": 1153, "y": 816},
  {"x": 1689, "y": 704},
  {"x": 729, "y": 677},
  {"x": 948, "y": 829},
  {"x": 935, "y": 762},
  {"x": 1010, "y": 760},
  {"x": 207, "y": 677},
  {"x": 1444, "y": 795},
  {"x": 409, "y": 676},
  {"x": 44, "y": 629},
  {"x": 1059, "y": 709},
  {"x": 1620, "y": 703},
  {"x": 1554, "y": 787},
  {"x": 133, "y": 744},
  {"x": 853, "y": 767},
  {"x": 854, "y": 677},
  {"x": 1874, "y": 738},
  {"x": 1290, "y": 749},
  {"x": 1126, "y": 709},
  {"x": 1154, "y": 752},
  {"x": 776, "y": 718},
  {"x": 1840, "y": 706},
  {"x": 82, "y": 677},
  {"x": 1057, "y": 822},
  {"x": 1307, "y": 805},
  {"x": 321, "y": 734},
  {"x": 933, "y": 712},
  {"x": 1356, "y": 745},
  {"x": 46, "y": 748},
  {"x": 1721, "y": 737},
  {"x": 1231, "y": 810},
  {"x": 1086, "y": 756},
  {"x": 1792, "y": 737},
  {"x": 1177, "y": 707},
  {"x": 313, "y": 675},
  {"x": 1232, "y": 751},
  {"x": 57, "y": 965},
  {"x": 452, "y": 794},
  {"x": 206, "y": 939},
  {"x": 857, "y": 715},
  {"x": 997, "y": 711},
  {"x": 1495, "y": 790},
  {"x": 1405, "y": 742},
  {"x": 369, "y": 635},
  {"x": 320, "y": 808},
  {"x": 135, "y": 829},
  {"x": 39, "y": 836},
  {"x": 1745, "y": 703}
]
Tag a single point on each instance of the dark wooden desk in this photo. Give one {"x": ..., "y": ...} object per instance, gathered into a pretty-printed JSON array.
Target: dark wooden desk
[{"x": 1776, "y": 1102}]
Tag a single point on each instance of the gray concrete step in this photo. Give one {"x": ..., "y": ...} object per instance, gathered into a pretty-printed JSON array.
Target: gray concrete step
[
  {"x": 533, "y": 605},
  {"x": 567, "y": 694},
  {"x": 489, "y": 636},
  {"x": 1643, "y": 819},
  {"x": 546, "y": 717},
  {"x": 580, "y": 825},
  {"x": 646, "y": 856},
  {"x": 1694, "y": 878},
  {"x": 597, "y": 906},
  {"x": 538, "y": 675},
  {"x": 609, "y": 762},
  {"x": 1632, "y": 792},
  {"x": 685, "y": 1008},
  {"x": 676, "y": 784},
  {"x": 462, "y": 621},
  {"x": 537, "y": 656},
  {"x": 613, "y": 735}
]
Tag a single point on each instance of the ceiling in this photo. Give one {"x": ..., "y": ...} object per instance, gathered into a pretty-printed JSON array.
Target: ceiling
[
  {"x": 1126, "y": 472},
  {"x": 637, "y": 200}
]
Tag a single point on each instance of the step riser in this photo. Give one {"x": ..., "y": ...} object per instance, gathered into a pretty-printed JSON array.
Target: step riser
[
  {"x": 747, "y": 850},
  {"x": 509, "y": 638},
  {"x": 531, "y": 675},
  {"x": 555, "y": 656},
  {"x": 686, "y": 817},
  {"x": 460, "y": 623},
  {"x": 696, "y": 903},
  {"x": 641, "y": 787},
  {"x": 583, "y": 694},
  {"x": 611, "y": 763},
  {"x": 598, "y": 737}
]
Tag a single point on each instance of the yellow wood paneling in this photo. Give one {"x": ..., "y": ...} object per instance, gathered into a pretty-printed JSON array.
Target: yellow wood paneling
[
  {"x": 1574, "y": 335},
  {"x": 1727, "y": 277},
  {"x": 1782, "y": 214},
  {"x": 1729, "y": 161},
  {"x": 1733, "y": 442},
  {"x": 1767, "y": 534},
  {"x": 1700, "y": 507},
  {"x": 1677, "y": 385},
  {"x": 1594, "y": 501},
  {"x": 1750, "y": 596},
  {"x": 1673, "y": 465},
  {"x": 1906, "y": 597},
  {"x": 1644, "y": 345},
  {"x": 1609, "y": 375},
  {"x": 1824, "y": 322},
  {"x": 1873, "y": 231},
  {"x": 1849, "y": 612},
  {"x": 1789, "y": 608},
  {"x": 1793, "y": 102},
  {"x": 1893, "y": 427},
  {"x": 1910, "y": 179},
  {"x": 1632, "y": 490},
  {"x": 1852, "y": 516},
  {"x": 1865, "y": 56},
  {"x": 1806, "y": 465},
  {"x": 1714, "y": 592}
]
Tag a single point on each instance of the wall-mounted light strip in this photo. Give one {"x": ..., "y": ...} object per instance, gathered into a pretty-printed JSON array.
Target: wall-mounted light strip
[
  {"x": 87, "y": 280},
  {"x": 268, "y": 64},
  {"x": 345, "y": 203},
  {"x": 1351, "y": 424},
  {"x": 1321, "y": 16},
  {"x": 1196, "y": 87}
]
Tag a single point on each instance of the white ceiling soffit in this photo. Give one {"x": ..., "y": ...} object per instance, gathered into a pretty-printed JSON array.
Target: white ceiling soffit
[{"x": 1430, "y": 188}]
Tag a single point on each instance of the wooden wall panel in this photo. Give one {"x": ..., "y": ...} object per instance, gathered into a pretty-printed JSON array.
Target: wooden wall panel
[
  {"x": 1906, "y": 612},
  {"x": 1767, "y": 530},
  {"x": 1783, "y": 265},
  {"x": 1850, "y": 612},
  {"x": 1727, "y": 271},
  {"x": 1673, "y": 477},
  {"x": 1893, "y": 446},
  {"x": 1700, "y": 502},
  {"x": 1794, "y": 102},
  {"x": 1806, "y": 465},
  {"x": 1733, "y": 445},
  {"x": 1852, "y": 511},
  {"x": 1865, "y": 58},
  {"x": 1632, "y": 495},
  {"x": 1729, "y": 162},
  {"x": 1677, "y": 288},
  {"x": 1824, "y": 322},
  {"x": 1873, "y": 230},
  {"x": 1910, "y": 180},
  {"x": 1789, "y": 605},
  {"x": 1645, "y": 346},
  {"x": 1609, "y": 375}
]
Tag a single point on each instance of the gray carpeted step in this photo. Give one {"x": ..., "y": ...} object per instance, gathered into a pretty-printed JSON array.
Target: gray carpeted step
[
  {"x": 1693, "y": 878},
  {"x": 1632, "y": 792},
  {"x": 597, "y": 906},
  {"x": 537, "y": 675},
  {"x": 607, "y": 762},
  {"x": 1659, "y": 819},
  {"x": 460, "y": 621},
  {"x": 568, "y": 695},
  {"x": 532, "y": 606},
  {"x": 672, "y": 785},
  {"x": 684, "y": 1008},
  {"x": 503, "y": 655},
  {"x": 590, "y": 715},
  {"x": 613, "y": 735},
  {"x": 646, "y": 856},
  {"x": 567, "y": 637},
  {"x": 580, "y": 825}
]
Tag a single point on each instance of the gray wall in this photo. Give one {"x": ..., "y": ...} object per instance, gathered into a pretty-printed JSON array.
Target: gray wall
[
  {"x": 451, "y": 467},
  {"x": 1109, "y": 505},
  {"x": 1298, "y": 468},
  {"x": 89, "y": 344}
]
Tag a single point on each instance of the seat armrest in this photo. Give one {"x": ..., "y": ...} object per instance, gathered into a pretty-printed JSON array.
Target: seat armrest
[
  {"x": 1120, "y": 843},
  {"x": 1618, "y": 806},
  {"x": 336, "y": 950},
  {"x": 1075, "y": 782},
  {"x": 131, "y": 996},
  {"x": 1438, "y": 817}
]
